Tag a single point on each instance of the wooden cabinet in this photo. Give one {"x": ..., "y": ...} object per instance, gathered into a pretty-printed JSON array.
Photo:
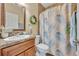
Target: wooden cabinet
[
  {"x": 0, "y": 14},
  {"x": 26, "y": 48},
  {"x": 21, "y": 54},
  {"x": 30, "y": 52},
  {"x": 0, "y": 52}
]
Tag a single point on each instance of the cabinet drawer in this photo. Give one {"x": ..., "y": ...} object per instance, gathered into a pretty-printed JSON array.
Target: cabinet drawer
[{"x": 16, "y": 49}]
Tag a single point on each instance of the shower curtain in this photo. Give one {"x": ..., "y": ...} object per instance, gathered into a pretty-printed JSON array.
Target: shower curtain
[
  {"x": 78, "y": 28},
  {"x": 52, "y": 29}
]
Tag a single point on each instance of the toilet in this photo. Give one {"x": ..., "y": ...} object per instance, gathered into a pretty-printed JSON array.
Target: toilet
[{"x": 42, "y": 48}]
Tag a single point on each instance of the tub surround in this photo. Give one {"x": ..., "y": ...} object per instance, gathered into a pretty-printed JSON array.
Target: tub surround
[{"x": 17, "y": 47}]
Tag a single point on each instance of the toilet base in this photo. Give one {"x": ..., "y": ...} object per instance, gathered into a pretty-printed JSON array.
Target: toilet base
[
  {"x": 40, "y": 54},
  {"x": 48, "y": 54},
  {"x": 42, "y": 49},
  {"x": 37, "y": 54}
]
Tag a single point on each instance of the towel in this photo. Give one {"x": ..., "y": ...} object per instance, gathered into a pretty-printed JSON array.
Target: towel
[
  {"x": 72, "y": 30},
  {"x": 78, "y": 25}
]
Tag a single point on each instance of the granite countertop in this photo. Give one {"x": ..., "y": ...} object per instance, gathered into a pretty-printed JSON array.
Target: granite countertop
[{"x": 4, "y": 43}]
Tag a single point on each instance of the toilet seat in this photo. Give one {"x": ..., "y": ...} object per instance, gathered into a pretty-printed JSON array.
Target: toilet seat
[{"x": 43, "y": 46}]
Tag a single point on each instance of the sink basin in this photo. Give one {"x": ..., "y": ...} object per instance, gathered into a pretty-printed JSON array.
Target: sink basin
[{"x": 17, "y": 38}]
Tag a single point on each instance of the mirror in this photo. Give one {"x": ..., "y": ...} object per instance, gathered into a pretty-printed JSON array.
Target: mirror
[{"x": 14, "y": 16}]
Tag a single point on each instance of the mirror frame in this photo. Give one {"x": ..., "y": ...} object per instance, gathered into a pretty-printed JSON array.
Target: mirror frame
[{"x": 3, "y": 17}]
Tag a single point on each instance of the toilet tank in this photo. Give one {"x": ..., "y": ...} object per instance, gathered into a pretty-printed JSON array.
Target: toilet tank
[{"x": 37, "y": 40}]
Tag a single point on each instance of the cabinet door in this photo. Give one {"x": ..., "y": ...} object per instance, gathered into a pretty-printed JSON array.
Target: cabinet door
[
  {"x": 26, "y": 53},
  {"x": 0, "y": 15},
  {"x": 0, "y": 52},
  {"x": 21, "y": 54},
  {"x": 30, "y": 52},
  {"x": 16, "y": 49}
]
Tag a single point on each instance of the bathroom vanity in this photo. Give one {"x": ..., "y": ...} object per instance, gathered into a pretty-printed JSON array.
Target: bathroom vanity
[
  {"x": 20, "y": 48},
  {"x": 14, "y": 20}
]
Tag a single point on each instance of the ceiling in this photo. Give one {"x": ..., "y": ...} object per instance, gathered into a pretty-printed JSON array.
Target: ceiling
[{"x": 47, "y": 4}]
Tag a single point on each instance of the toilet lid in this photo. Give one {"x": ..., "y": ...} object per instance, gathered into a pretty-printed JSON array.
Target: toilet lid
[{"x": 43, "y": 46}]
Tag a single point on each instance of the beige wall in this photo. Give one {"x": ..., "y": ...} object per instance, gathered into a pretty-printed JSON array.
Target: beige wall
[
  {"x": 40, "y": 9},
  {"x": 32, "y": 9}
]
